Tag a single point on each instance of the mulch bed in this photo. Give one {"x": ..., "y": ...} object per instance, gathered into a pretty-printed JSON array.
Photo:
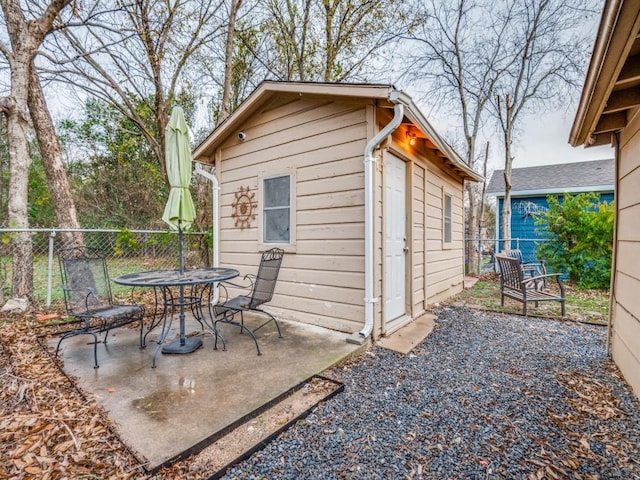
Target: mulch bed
[{"x": 48, "y": 429}]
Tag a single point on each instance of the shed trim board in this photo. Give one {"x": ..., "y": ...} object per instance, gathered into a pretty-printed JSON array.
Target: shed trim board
[
  {"x": 317, "y": 133},
  {"x": 610, "y": 92}
]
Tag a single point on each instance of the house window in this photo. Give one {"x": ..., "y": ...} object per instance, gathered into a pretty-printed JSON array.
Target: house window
[
  {"x": 276, "y": 209},
  {"x": 446, "y": 231}
]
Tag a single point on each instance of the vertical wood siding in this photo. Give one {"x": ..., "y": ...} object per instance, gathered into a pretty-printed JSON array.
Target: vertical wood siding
[
  {"x": 625, "y": 334},
  {"x": 322, "y": 142}
]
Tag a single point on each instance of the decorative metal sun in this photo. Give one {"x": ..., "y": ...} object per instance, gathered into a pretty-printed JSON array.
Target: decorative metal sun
[{"x": 244, "y": 208}]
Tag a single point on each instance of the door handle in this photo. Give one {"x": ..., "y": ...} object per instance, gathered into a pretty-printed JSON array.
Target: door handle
[{"x": 405, "y": 249}]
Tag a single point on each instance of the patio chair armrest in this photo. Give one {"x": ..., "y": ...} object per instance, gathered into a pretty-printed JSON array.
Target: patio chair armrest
[
  {"x": 87, "y": 293},
  {"x": 248, "y": 276},
  {"x": 541, "y": 279},
  {"x": 222, "y": 288}
]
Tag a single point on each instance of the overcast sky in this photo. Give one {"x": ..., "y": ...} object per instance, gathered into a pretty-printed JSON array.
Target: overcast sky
[{"x": 546, "y": 141}]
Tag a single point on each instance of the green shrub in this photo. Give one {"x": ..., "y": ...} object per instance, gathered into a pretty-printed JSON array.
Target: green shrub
[{"x": 580, "y": 230}]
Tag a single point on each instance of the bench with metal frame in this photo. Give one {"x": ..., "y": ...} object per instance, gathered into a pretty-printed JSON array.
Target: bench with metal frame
[{"x": 516, "y": 284}]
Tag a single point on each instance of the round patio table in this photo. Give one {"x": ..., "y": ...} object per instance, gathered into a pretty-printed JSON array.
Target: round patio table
[{"x": 167, "y": 279}]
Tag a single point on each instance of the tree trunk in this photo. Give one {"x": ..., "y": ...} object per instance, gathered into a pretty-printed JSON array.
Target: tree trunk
[
  {"x": 472, "y": 232},
  {"x": 472, "y": 197},
  {"x": 506, "y": 207},
  {"x": 481, "y": 207},
  {"x": 225, "y": 107},
  {"x": 57, "y": 182},
  {"x": 25, "y": 39},
  {"x": 19, "y": 164}
]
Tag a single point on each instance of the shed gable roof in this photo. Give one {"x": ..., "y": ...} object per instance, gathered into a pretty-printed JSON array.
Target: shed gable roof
[
  {"x": 594, "y": 175},
  {"x": 382, "y": 94}
]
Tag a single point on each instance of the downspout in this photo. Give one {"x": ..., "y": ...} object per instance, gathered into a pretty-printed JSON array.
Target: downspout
[
  {"x": 399, "y": 100},
  {"x": 215, "y": 217}
]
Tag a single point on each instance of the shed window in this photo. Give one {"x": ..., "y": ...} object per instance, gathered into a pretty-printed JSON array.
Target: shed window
[
  {"x": 447, "y": 219},
  {"x": 276, "y": 209}
]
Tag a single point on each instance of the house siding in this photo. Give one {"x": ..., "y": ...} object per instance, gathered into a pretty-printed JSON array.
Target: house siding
[
  {"x": 321, "y": 142},
  {"x": 418, "y": 237},
  {"x": 625, "y": 324},
  {"x": 444, "y": 272}
]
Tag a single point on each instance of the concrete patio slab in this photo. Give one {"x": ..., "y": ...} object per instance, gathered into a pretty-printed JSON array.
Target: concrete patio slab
[{"x": 161, "y": 413}]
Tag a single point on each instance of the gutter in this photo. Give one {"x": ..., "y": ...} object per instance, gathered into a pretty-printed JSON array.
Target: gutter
[{"x": 400, "y": 101}]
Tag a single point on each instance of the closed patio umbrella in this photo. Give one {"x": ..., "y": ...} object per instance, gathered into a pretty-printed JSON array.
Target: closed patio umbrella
[{"x": 179, "y": 212}]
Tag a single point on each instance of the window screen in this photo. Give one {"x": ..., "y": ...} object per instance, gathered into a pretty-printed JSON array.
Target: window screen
[
  {"x": 276, "y": 209},
  {"x": 447, "y": 218}
]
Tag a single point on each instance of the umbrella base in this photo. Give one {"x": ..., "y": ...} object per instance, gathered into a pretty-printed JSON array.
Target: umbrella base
[{"x": 191, "y": 344}]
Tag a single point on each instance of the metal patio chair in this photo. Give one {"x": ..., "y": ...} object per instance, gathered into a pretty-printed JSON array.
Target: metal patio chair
[
  {"x": 261, "y": 291},
  {"x": 88, "y": 298}
]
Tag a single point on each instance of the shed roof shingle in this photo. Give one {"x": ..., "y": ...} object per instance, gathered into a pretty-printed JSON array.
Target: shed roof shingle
[{"x": 561, "y": 177}]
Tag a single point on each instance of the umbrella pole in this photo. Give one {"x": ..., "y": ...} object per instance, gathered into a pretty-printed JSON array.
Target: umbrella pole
[
  {"x": 180, "y": 248},
  {"x": 184, "y": 344},
  {"x": 181, "y": 255}
]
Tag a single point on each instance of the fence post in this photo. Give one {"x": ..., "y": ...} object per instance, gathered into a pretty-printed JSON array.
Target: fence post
[{"x": 50, "y": 267}]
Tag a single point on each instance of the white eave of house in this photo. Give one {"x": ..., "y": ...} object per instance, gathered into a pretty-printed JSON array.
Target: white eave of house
[
  {"x": 267, "y": 89},
  {"x": 611, "y": 92}
]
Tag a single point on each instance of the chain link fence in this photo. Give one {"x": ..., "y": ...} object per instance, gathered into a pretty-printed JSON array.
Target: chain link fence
[
  {"x": 126, "y": 251},
  {"x": 486, "y": 249}
]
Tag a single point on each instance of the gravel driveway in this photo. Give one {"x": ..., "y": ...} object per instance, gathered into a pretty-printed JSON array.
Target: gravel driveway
[{"x": 485, "y": 396}]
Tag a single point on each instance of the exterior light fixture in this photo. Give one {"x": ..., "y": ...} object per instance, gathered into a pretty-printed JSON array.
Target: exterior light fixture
[{"x": 411, "y": 137}]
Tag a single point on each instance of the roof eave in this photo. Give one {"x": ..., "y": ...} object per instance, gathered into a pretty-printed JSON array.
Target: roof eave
[
  {"x": 615, "y": 37},
  {"x": 381, "y": 92},
  {"x": 415, "y": 115}
]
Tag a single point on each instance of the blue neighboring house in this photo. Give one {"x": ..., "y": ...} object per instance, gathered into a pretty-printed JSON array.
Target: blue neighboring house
[{"x": 530, "y": 187}]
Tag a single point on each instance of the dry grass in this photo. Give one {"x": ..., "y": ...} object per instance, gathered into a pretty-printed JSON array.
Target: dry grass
[{"x": 589, "y": 306}]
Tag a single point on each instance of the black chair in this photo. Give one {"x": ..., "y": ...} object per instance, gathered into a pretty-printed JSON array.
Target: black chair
[
  {"x": 87, "y": 296},
  {"x": 261, "y": 291}
]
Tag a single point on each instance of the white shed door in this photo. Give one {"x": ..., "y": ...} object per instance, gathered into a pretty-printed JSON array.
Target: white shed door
[{"x": 395, "y": 238}]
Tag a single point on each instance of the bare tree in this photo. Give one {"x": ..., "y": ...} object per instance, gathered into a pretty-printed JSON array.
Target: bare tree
[
  {"x": 330, "y": 40},
  {"x": 49, "y": 147},
  {"x": 225, "y": 106},
  {"x": 137, "y": 57},
  {"x": 459, "y": 51},
  {"x": 546, "y": 47},
  {"x": 25, "y": 37},
  {"x": 202, "y": 184}
]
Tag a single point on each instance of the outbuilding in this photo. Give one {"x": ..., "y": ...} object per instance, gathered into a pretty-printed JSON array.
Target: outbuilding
[{"x": 360, "y": 191}]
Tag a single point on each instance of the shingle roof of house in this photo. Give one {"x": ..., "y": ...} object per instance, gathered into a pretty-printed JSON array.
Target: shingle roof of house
[{"x": 594, "y": 175}]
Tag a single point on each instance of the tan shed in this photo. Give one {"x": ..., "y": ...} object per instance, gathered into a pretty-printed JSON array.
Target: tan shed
[
  {"x": 609, "y": 113},
  {"x": 363, "y": 195}
]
